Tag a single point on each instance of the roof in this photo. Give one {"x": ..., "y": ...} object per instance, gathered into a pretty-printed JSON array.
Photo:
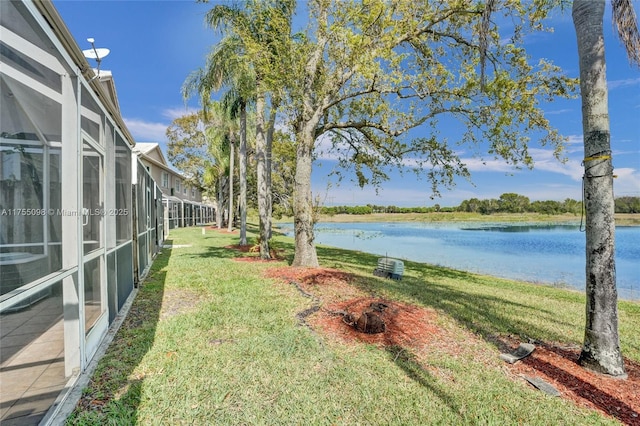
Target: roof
[
  {"x": 145, "y": 147},
  {"x": 151, "y": 151},
  {"x": 106, "y": 80},
  {"x": 106, "y": 91}
]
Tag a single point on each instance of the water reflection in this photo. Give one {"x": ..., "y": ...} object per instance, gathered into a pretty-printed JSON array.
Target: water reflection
[
  {"x": 521, "y": 228},
  {"x": 541, "y": 253}
]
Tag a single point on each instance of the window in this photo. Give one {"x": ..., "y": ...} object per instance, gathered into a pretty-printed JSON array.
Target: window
[
  {"x": 193, "y": 192},
  {"x": 184, "y": 190},
  {"x": 177, "y": 186},
  {"x": 165, "y": 179}
]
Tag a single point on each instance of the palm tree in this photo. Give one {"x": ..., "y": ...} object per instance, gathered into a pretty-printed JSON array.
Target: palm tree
[
  {"x": 237, "y": 107},
  {"x": 215, "y": 176},
  {"x": 601, "y": 347},
  {"x": 261, "y": 29},
  {"x": 227, "y": 67},
  {"x": 222, "y": 133}
]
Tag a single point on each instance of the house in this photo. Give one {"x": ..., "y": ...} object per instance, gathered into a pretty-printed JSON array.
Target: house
[
  {"x": 183, "y": 202},
  {"x": 81, "y": 217}
]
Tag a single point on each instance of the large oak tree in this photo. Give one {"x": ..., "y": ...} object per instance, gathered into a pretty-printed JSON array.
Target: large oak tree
[{"x": 369, "y": 76}]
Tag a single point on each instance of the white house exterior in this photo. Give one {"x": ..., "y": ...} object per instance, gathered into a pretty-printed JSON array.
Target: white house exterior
[
  {"x": 79, "y": 220},
  {"x": 184, "y": 205}
]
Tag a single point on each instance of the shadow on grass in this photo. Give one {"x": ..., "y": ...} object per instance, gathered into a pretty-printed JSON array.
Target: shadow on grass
[
  {"x": 283, "y": 247},
  {"x": 599, "y": 397},
  {"x": 103, "y": 401},
  {"x": 485, "y": 314},
  {"x": 412, "y": 368}
]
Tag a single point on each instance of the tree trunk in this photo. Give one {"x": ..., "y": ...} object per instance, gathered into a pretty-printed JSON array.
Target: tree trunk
[
  {"x": 242, "y": 159},
  {"x": 269, "y": 148},
  {"x": 232, "y": 149},
  {"x": 219, "y": 203},
  {"x": 601, "y": 349},
  {"x": 305, "y": 250},
  {"x": 261, "y": 166}
]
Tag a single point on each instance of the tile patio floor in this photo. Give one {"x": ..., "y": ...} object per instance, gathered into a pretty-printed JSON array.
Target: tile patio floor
[{"x": 31, "y": 362}]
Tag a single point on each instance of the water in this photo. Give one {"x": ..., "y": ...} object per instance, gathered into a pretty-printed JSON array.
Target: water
[{"x": 548, "y": 254}]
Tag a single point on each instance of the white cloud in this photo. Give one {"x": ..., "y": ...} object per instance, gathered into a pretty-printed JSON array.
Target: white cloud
[
  {"x": 150, "y": 131},
  {"x": 492, "y": 165},
  {"x": 323, "y": 148},
  {"x": 558, "y": 192},
  {"x": 627, "y": 182},
  {"x": 558, "y": 111},
  {"x": 545, "y": 161},
  {"x": 173, "y": 113},
  {"x": 616, "y": 84},
  {"x": 145, "y": 130},
  {"x": 354, "y": 196}
]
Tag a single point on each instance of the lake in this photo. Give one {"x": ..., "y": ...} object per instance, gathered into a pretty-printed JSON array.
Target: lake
[{"x": 539, "y": 253}]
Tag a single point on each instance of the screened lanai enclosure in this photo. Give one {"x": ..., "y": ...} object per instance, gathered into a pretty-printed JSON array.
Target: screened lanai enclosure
[
  {"x": 80, "y": 218},
  {"x": 179, "y": 213}
]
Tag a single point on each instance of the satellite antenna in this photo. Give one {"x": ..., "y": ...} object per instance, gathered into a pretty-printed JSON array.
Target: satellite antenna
[{"x": 95, "y": 53}]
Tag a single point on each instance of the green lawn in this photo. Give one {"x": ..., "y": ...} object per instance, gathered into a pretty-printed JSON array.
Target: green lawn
[{"x": 210, "y": 341}]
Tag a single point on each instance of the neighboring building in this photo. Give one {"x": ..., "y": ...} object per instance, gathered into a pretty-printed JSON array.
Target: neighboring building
[{"x": 183, "y": 202}]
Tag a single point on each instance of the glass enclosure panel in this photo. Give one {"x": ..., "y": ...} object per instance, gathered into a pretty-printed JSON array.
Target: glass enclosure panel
[
  {"x": 16, "y": 17},
  {"x": 91, "y": 127},
  {"x": 142, "y": 253},
  {"x": 151, "y": 206},
  {"x": 92, "y": 195},
  {"x": 159, "y": 217},
  {"x": 28, "y": 115},
  {"x": 30, "y": 67},
  {"x": 92, "y": 117},
  {"x": 32, "y": 356},
  {"x": 30, "y": 191},
  {"x": 141, "y": 205},
  {"x": 123, "y": 191},
  {"x": 124, "y": 264},
  {"x": 112, "y": 293},
  {"x": 93, "y": 306}
]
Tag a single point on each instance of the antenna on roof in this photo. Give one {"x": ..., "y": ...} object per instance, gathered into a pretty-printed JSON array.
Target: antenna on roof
[{"x": 95, "y": 53}]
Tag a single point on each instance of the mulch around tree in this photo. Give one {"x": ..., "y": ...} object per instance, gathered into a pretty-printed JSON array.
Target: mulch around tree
[
  {"x": 416, "y": 328},
  {"x": 276, "y": 255},
  {"x": 224, "y": 230}
]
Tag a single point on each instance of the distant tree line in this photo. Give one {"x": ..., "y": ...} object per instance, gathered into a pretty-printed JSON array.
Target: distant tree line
[
  {"x": 628, "y": 205},
  {"x": 507, "y": 203},
  {"x": 516, "y": 203}
]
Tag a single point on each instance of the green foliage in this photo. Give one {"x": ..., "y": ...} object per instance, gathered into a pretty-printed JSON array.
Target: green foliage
[
  {"x": 627, "y": 205},
  {"x": 515, "y": 203},
  {"x": 507, "y": 203},
  {"x": 283, "y": 164},
  {"x": 188, "y": 148},
  {"x": 389, "y": 68}
]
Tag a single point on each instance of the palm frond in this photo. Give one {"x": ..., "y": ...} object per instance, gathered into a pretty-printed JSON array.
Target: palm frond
[
  {"x": 222, "y": 16},
  {"x": 626, "y": 24}
]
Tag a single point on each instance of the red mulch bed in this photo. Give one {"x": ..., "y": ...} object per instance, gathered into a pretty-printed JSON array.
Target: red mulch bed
[
  {"x": 221, "y": 230},
  {"x": 241, "y": 248},
  {"x": 414, "y": 327},
  {"x": 558, "y": 364},
  {"x": 248, "y": 248}
]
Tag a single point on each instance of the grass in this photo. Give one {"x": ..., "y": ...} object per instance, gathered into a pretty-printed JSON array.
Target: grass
[{"x": 211, "y": 341}]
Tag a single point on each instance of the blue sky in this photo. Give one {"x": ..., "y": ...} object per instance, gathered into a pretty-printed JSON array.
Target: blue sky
[{"x": 156, "y": 44}]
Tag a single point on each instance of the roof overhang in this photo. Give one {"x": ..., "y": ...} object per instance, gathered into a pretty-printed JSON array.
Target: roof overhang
[{"x": 65, "y": 37}]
